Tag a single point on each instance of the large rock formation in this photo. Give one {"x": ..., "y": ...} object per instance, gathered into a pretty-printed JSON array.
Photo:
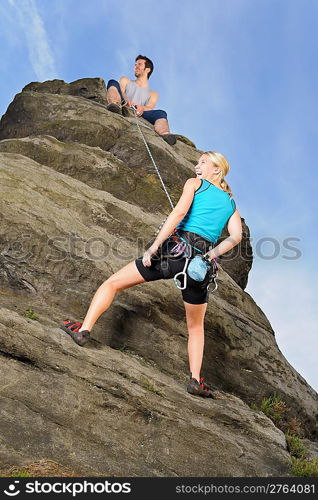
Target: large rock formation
[{"x": 79, "y": 198}]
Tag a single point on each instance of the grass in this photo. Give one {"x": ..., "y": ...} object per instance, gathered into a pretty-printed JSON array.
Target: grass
[
  {"x": 295, "y": 445},
  {"x": 276, "y": 409},
  {"x": 29, "y": 313},
  {"x": 22, "y": 473},
  {"x": 301, "y": 467},
  {"x": 147, "y": 385},
  {"x": 122, "y": 348},
  {"x": 185, "y": 139},
  {"x": 41, "y": 468},
  {"x": 253, "y": 406}
]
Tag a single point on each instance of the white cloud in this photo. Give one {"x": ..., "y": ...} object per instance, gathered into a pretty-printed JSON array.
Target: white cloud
[
  {"x": 40, "y": 53},
  {"x": 126, "y": 58}
]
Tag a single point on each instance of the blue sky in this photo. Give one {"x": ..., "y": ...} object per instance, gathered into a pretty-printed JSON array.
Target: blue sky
[{"x": 235, "y": 76}]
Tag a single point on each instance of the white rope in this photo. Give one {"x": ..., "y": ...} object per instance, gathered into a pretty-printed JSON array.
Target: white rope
[{"x": 151, "y": 157}]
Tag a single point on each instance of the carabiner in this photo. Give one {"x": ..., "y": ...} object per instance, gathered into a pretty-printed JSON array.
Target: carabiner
[{"x": 184, "y": 274}]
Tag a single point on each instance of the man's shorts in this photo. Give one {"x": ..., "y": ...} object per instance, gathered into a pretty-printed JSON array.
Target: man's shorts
[{"x": 195, "y": 292}]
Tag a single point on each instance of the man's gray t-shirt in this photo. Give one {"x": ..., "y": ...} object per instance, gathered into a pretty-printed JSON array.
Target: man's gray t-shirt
[{"x": 136, "y": 94}]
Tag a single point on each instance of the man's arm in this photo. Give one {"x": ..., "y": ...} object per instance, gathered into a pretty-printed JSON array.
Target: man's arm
[
  {"x": 151, "y": 103},
  {"x": 154, "y": 96}
]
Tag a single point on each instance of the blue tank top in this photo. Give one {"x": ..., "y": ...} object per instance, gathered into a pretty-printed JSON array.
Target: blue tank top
[{"x": 210, "y": 210}]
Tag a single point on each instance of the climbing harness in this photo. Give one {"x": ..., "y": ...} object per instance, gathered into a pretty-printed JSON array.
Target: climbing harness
[
  {"x": 182, "y": 247},
  {"x": 176, "y": 246}
]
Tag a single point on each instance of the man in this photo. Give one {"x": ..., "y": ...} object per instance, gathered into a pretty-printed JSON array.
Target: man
[{"x": 126, "y": 93}]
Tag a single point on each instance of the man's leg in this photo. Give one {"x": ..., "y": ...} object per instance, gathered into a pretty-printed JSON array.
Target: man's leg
[
  {"x": 126, "y": 277},
  {"x": 158, "y": 118},
  {"x": 114, "y": 94},
  {"x": 114, "y": 97}
]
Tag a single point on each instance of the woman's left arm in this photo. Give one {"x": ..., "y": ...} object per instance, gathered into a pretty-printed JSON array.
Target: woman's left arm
[
  {"x": 176, "y": 216},
  {"x": 234, "y": 227}
]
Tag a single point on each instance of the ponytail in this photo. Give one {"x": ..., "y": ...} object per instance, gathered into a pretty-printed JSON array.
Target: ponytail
[
  {"x": 226, "y": 187},
  {"x": 220, "y": 161}
]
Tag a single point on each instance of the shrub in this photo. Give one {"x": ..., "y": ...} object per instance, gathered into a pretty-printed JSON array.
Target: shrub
[
  {"x": 274, "y": 408},
  {"x": 302, "y": 467},
  {"x": 295, "y": 445},
  {"x": 293, "y": 426}
]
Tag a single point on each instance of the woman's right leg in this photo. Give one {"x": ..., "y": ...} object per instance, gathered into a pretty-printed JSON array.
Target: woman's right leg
[
  {"x": 126, "y": 277},
  {"x": 195, "y": 322}
]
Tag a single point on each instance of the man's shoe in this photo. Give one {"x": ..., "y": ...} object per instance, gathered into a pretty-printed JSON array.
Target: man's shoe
[
  {"x": 127, "y": 112},
  {"x": 114, "y": 108},
  {"x": 71, "y": 327},
  {"x": 199, "y": 388},
  {"x": 169, "y": 138}
]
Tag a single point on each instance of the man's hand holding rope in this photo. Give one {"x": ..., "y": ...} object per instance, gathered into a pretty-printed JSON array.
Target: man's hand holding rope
[{"x": 139, "y": 109}]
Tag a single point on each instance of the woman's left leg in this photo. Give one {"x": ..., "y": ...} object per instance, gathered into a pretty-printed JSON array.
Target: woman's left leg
[
  {"x": 126, "y": 277},
  {"x": 195, "y": 322}
]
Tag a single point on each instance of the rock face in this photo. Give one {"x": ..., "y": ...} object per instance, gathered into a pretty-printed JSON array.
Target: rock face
[
  {"x": 79, "y": 199},
  {"x": 89, "y": 88}
]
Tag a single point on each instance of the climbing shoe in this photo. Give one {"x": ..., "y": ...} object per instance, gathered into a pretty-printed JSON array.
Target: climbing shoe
[
  {"x": 115, "y": 108},
  {"x": 200, "y": 388},
  {"x": 71, "y": 327},
  {"x": 169, "y": 138},
  {"x": 127, "y": 112}
]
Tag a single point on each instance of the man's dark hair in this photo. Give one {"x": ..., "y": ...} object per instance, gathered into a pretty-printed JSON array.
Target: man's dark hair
[{"x": 148, "y": 63}]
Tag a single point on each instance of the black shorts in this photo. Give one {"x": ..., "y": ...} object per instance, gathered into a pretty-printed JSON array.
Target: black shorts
[{"x": 195, "y": 292}]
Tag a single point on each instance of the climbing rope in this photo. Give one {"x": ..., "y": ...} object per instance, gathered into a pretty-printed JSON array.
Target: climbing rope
[{"x": 151, "y": 157}]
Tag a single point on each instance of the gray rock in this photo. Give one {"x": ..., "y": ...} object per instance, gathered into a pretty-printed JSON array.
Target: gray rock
[
  {"x": 106, "y": 412},
  {"x": 74, "y": 205},
  {"x": 68, "y": 118},
  {"x": 89, "y": 88},
  {"x": 311, "y": 449}
]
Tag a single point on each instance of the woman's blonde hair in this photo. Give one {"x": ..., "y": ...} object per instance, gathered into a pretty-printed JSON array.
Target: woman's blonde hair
[{"x": 220, "y": 161}]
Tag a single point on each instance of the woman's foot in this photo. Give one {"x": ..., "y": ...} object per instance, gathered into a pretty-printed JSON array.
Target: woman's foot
[
  {"x": 72, "y": 328},
  {"x": 199, "y": 388}
]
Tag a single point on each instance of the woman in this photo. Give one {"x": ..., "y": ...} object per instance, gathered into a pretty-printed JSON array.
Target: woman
[{"x": 206, "y": 205}]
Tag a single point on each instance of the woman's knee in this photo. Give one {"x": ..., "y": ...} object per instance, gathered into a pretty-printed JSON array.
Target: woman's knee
[
  {"x": 195, "y": 330},
  {"x": 113, "y": 283}
]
